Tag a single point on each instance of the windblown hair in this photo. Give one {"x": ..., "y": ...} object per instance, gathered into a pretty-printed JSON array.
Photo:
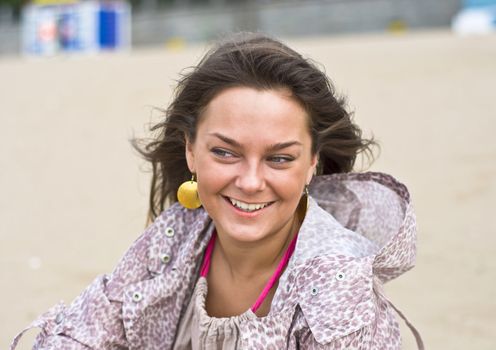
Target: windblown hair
[{"x": 256, "y": 61}]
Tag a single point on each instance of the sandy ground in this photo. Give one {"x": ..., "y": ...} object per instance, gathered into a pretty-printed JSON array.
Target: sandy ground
[{"x": 74, "y": 196}]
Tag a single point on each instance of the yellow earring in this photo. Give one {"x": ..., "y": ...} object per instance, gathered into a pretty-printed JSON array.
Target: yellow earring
[{"x": 187, "y": 194}]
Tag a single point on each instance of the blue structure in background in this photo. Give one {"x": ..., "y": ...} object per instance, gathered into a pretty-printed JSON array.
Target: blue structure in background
[
  {"x": 108, "y": 27},
  {"x": 476, "y": 17},
  {"x": 478, "y": 3},
  {"x": 80, "y": 27}
]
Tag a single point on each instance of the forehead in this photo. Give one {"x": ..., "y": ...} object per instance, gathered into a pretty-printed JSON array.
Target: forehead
[{"x": 255, "y": 115}]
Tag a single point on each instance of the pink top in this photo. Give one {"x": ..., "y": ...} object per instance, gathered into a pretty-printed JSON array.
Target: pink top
[{"x": 270, "y": 283}]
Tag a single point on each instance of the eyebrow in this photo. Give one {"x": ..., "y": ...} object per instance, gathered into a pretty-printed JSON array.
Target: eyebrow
[{"x": 273, "y": 147}]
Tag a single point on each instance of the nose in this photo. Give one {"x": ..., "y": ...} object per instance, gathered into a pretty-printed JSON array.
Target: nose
[{"x": 251, "y": 178}]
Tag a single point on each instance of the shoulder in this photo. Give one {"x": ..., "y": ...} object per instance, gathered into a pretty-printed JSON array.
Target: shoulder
[
  {"x": 159, "y": 247},
  {"x": 329, "y": 276},
  {"x": 109, "y": 313},
  {"x": 359, "y": 232}
]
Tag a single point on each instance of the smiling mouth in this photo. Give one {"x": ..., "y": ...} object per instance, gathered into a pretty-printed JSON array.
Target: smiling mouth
[{"x": 247, "y": 207}]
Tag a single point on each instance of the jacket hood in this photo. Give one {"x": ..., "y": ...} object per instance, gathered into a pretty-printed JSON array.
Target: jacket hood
[{"x": 377, "y": 207}]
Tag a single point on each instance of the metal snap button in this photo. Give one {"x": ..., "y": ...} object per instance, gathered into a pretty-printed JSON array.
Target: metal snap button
[
  {"x": 59, "y": 318},
  {"x": 314, "y": 291},
  {"x": 137, "y": 296},
  {"x": 169, "y": 232},
  {"x": 340, "y": 276},
  {"x": 165, "y": 258}
]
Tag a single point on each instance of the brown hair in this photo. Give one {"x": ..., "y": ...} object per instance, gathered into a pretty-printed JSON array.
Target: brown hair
[{"x": 259, "y": 62}]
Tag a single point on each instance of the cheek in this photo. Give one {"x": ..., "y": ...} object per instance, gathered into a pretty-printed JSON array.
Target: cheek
[
  {"x": 211, "y": 177},
  {"x": 289, "y": 184}
]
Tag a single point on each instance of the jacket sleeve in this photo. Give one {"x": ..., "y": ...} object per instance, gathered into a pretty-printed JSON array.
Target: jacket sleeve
[
  {"x": 91, "y": 321},
  {"x": 94, "y": 319}
]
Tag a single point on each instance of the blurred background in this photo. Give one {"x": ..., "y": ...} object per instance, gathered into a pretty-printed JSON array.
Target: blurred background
[{"x": 79, "y": 79}]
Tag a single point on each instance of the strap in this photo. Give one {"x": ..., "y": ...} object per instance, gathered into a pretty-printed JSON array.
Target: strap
[
  {"x": 19, "y": 335},
  {"x": 379, "y": 289},
  {"x": 276, "y": 275},
  {"x": 41, "y": 322},
  {"x": 416, "y": 334},
  {"x": 208, "y": 255}
]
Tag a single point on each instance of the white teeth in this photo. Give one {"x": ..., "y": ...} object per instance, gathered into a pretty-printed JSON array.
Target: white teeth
[{"x": 248, "y": 206}]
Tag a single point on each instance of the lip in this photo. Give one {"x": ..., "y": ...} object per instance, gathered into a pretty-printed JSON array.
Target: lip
[{"x": 247, "y": 214}]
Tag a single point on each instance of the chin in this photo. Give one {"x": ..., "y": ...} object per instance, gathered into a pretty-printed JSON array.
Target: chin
[{"x": 245, "y": 234}]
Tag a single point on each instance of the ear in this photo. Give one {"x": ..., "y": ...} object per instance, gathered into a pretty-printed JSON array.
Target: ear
[
  {"x": 190, "y": 155},
  {"x": 313, "y": 167}
]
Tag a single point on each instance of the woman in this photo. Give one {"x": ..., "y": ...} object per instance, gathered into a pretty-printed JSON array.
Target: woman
[{"x": 248, "y": 259}]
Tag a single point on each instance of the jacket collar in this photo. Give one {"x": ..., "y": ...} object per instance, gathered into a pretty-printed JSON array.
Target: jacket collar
[{"x": 377, "y": 207}]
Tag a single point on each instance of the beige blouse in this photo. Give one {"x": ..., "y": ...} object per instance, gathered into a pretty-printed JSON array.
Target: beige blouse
[{"x": 197, "y": 330}]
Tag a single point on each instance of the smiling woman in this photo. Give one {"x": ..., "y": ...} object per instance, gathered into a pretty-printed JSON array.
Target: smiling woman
[
  {"x": 270, "y": 242},
  {"x": 250, "y": 181}
]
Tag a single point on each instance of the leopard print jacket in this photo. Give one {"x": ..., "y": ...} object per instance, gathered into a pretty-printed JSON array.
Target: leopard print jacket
[{"x": 359, "y": 232}]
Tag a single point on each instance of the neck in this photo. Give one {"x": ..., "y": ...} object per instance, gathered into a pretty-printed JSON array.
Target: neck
[{"x": 249, "y": 260}]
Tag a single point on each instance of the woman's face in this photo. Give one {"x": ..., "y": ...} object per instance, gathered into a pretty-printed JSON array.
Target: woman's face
[{"x": 252, "y": 158}]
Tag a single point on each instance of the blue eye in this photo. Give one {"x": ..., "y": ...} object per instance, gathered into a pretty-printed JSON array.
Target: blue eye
[
  {"x": 281, "y": 159},
  {"x": 219, "y": 152}
]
